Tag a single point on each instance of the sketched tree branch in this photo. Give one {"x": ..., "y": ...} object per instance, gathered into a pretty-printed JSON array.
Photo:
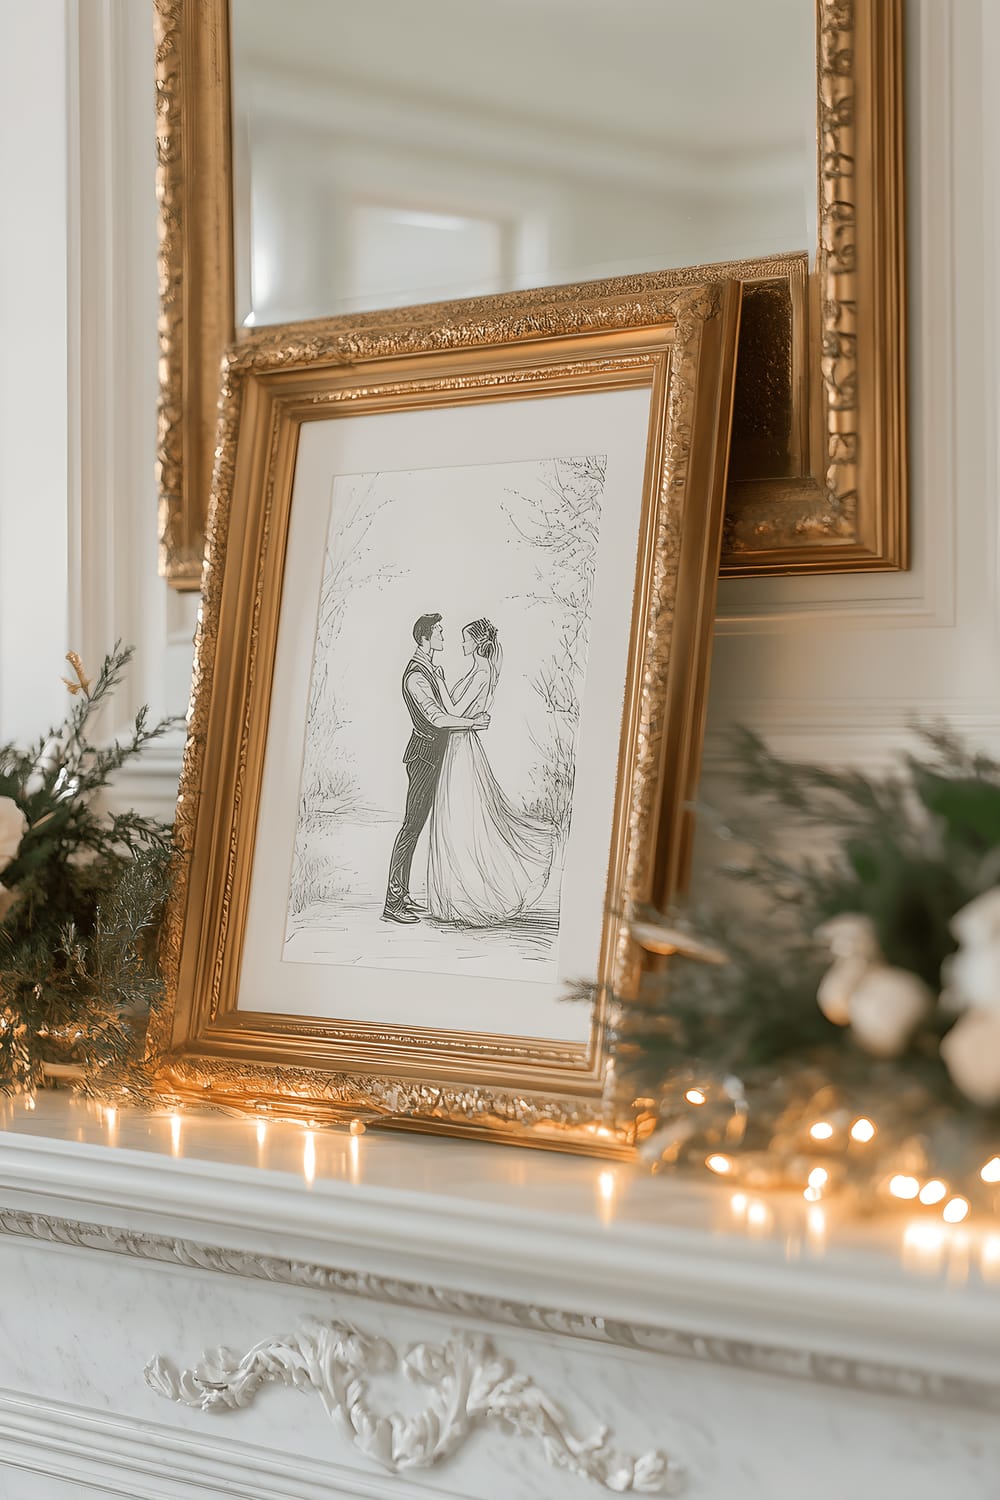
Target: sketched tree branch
[
  {"x": 561, "y": 524},
  {"x": 330, "y": 782}
]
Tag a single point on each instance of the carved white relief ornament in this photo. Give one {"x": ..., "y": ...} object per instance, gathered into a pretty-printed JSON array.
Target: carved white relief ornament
[{"x": 469, "y": 1386}]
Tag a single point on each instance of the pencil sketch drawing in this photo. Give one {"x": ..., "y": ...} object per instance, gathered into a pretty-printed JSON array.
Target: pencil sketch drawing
[
  {"x": 486, "y": 862},
  {"x": 436, "y": 797}
]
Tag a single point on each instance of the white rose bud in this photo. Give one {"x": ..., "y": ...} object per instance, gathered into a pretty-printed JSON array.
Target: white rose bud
[
  {"x": 972, "y": 977},
  {"x": 851, "y": 935},
  {"x": 13, "y": 827},
  {"x": 978, "y": 922},
  {"x": 838, "y": 985},
  {"x": 855, "y": 948},
  {"x": 886, "y": 1008},
  {"x": 971, "y": 1051}
]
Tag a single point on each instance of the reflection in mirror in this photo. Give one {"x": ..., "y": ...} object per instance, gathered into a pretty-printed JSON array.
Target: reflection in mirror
[{"x": 389, "y": 152}]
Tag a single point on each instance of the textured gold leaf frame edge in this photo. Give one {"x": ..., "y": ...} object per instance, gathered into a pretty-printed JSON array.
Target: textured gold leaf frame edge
[
  {"x": 678, "y": 342},
  {"x": 839, "y": 346},
  {"x": 195, "y": 260}
]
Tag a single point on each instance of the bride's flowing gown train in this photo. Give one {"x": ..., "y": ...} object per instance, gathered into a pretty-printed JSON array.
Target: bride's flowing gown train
[{"x": 487, "y": 862}]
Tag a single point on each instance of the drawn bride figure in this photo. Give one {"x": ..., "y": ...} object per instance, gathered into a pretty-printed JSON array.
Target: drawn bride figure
[{"x": 487, "y": 862}]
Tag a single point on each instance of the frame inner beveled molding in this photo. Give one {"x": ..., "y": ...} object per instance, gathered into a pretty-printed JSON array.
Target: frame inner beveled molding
[
  {"x": 680, "y": 343},
  {"x": 819, "y": 479}
]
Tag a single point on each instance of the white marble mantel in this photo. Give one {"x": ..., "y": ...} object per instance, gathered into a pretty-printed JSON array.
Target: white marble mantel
[{"x": 768, "y": 1360}]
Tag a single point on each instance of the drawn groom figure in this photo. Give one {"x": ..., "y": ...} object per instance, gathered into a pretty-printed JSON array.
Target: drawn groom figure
[{"x": 432, "y": 724}]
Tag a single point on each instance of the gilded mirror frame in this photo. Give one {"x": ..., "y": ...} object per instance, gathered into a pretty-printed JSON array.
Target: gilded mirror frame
[{"x": 822, "y": 369}]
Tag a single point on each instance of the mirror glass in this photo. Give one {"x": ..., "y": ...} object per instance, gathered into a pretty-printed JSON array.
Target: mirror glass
[{"x": 389, "y": 152}]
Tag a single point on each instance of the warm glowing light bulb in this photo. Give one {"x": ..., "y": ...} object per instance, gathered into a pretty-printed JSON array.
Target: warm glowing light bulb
[
  {"x": 818, "y": 1177},
  {"x": 862, "y": 1130},
  {"x": 813, "y": 1194},
  {"x": 738, "y": 1203},
  {"x": 110, "y": 1117},
  {"x": 309, "y": 1158},
  {"x": 955, "y": 1210},
  {"x": 357, "y": 1127},
  {"x": 821, "y": 1131},
  {"x": 695, "y": 1096},
  {"x": 901, "y": 1186},
  {"x": 933, "y": 1191},
  {"x": 816, "y": 1223},
  {"x": 922, "y": 1245},
  {"x": 991, "y": 1257},
  {"x": 758, "y": 1215},
  {"x": 606, "y": 1196},
  {"x": 991, "y": 1171},
  {"x": 261, "y": 1132},
  {"x": 720, "y": 1164}
]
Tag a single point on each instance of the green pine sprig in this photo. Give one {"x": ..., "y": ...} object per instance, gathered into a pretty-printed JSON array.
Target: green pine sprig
[
  {"x": 78, "y": 968},
  {"x": 907, "y": 849}
]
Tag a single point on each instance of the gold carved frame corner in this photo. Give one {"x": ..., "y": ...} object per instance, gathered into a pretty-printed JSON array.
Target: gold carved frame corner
[
  {"x": 818, "y": 480},
  {"x": 842, "y": 504}
]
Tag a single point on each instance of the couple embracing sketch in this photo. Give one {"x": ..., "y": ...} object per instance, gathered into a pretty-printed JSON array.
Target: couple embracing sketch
[{"x": 487, "y": 862}]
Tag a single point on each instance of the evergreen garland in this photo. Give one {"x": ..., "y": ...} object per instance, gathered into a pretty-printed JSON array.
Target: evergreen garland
[
  {"x": 80, "y": 902},
  {"x": 746, "y": 1038}
]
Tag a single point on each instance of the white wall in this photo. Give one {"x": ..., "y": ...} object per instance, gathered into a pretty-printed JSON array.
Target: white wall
[
  {"x": 78, "y": 371},
  {"x": 826, "y": 666},
  {"x": 34, "y": 422}
]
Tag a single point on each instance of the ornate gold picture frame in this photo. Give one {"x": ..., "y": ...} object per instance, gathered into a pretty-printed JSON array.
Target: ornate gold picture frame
[
  {"x": 819, "y": 481},
  {"x": 548, "y": 471}
]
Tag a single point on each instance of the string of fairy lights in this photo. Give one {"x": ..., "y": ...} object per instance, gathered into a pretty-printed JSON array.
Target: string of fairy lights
[{"x": 929, "y": 1192}]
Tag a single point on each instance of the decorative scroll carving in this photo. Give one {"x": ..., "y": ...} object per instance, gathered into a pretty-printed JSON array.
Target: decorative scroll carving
[
  {"x": 324, "y": 1095},
  {"x": 469, "y": 1386}
]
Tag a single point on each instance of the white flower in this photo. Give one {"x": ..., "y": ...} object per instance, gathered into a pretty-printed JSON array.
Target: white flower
[
  {"x": 979, "y": 921},
  {"x": 855, "y": 948},
  {"x": 838, "y": 985},
  {"x": 971, "y": 1051},
  {"x": 886, "y": 1008},
  {"x": 850, "y": 935},
  {"x": 13, "y": 827},
  {"x": 971, "y": 977}
]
